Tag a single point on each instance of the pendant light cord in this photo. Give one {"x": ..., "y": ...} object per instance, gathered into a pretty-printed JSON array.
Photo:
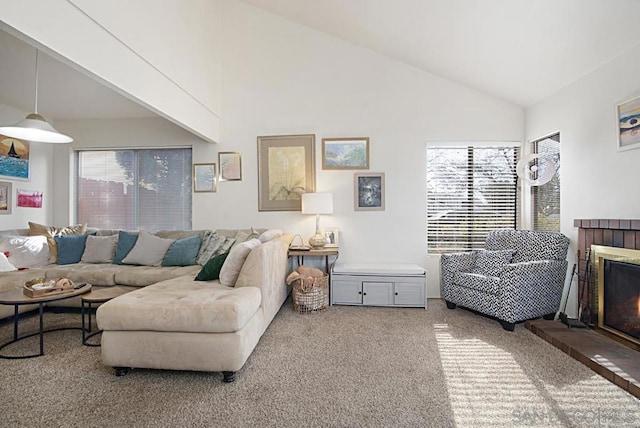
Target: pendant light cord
[{"x": 36, "y": 96}]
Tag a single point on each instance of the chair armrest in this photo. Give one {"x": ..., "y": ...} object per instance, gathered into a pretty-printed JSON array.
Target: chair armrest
[
  {"x": 452, "y": 263},
  {"x": 536, "y": 286}
]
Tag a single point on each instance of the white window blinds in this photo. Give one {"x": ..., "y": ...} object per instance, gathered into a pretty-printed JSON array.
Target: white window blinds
[
  {"x": 545, "y": 199},
  {"x": 147, "y": 189},
  {"x": 470, "y": 191}
]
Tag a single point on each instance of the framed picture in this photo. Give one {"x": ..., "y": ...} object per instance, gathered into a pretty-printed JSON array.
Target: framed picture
[
  {"x": 205, "y": 177},
  {"x": 332, "y": 236},
  {"x": 5, "y": 197},
  {"x": 28, "y": 198},
  {"x": 230, "y": 166},
  {"x": 628, "y": 115},
  {"x": 345, "y": 153},
  {"x": 286, "y": 170},
  {"x": 369, "y": 191},
  {"x": 14, "y": 158}
]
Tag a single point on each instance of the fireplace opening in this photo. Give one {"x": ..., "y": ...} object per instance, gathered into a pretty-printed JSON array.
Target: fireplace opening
[{"x": 620, "y": 303}]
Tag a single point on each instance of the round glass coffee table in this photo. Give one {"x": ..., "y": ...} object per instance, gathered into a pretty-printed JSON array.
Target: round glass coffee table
[{"x": 16, "y": 298}]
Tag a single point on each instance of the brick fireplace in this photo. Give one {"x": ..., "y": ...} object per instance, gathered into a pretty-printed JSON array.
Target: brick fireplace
[{"x": 621, "y": 233}]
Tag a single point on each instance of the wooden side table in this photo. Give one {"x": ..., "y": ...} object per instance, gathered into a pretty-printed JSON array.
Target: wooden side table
[{"x": 324, "y": 252}]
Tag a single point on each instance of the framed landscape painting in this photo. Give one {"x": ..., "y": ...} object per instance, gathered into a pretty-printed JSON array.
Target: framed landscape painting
[
  {"x": 14, "y": 158},
  {"x": 628, "y": 115},
  {"x": 286, "y": 170},
  {"x": 369, "y": 191},
  {"x": 345, "y": 153}
]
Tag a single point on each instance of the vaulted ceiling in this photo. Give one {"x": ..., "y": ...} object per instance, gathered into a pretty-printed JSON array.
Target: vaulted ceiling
[{"x": 518, "y": 50}]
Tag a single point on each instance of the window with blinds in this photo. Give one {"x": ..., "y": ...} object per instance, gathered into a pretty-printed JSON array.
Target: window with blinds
[
  {"x": 470, "y": 191},
  {"x": 148, "y": 189},
  {"x": 545, "y": 199}
]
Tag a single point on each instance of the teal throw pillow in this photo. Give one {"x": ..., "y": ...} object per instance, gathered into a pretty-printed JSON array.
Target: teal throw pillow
[
  {"x": 211, "y": 270},
  {"x": 126, "y": 241},
  {"x": 183, "y": 252},
  {"x": 70, "y": 248}
]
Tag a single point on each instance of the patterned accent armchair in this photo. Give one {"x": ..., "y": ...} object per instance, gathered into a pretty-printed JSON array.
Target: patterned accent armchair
[{"x": 519, "y": 275}]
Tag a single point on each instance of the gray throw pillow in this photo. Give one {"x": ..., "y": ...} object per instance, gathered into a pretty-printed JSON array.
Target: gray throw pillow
[
  {"x": 99, "y": 249},
  {"x": 148, "y": 251}
]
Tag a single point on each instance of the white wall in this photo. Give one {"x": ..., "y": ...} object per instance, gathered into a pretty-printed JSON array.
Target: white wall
[
  {"x": 282, "y": 78},
  {"x": 162, "y": 56},
  {"x": 40, "y": 173},
  {"x": 597, "y": 180}
]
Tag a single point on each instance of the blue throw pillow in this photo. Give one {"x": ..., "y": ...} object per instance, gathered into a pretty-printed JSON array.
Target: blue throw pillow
[
  {"x": 126, "y": 242},
  {"x": 70, "y": 248},
  {"x": 183, "y": 252}
]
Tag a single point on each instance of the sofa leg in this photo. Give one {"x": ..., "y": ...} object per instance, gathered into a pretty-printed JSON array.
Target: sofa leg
[
  {"x": 450, "y": 305},
  {"x": 549, "y": 317},
  {"x": 121, "y": 371},
  {"x": 229, "y": 377},
  {"x": 509, "y": 326}
]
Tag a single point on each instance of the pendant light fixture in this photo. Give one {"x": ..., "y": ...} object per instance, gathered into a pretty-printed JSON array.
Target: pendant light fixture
[{"x": 34, "y": 127}]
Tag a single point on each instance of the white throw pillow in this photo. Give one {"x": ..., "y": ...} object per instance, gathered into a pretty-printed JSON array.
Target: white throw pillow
[
  {"x": 233, "y": 264},
  {"x": 148, "y": 251},
  {"x": 268, "y": 235},
  {"x": 5, "y": 264},
  {"x": 99, "y": 249},
  {"x": 26, "y": 251}
]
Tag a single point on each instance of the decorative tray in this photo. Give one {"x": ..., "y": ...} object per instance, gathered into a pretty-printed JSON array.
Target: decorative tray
[{"x": 38, "y": 287}]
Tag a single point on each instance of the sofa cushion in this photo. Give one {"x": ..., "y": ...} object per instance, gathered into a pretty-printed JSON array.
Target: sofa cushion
[
  {"x": 70, "y": 248},
  {"x": 181, "y": 305},
  {"x": 478, "y": 282},
  {"x": 26, "y": 251},
  {"x": 233, "y": 264},
  {"x": 126, "y": 241},
  {"x": 492, "y": 263},
  {"x": 141, "y": 276},
  {"x": 149, "y": 250},
  {"x": 183, "y": 252},
  {"x": 36, "y": 229},
  {"x": 211, "y": 270},
  {"x": 94, "y": 274},
  {"x": 99, "y": 249}
]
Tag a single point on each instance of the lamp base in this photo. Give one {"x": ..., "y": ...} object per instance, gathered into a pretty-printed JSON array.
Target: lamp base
[{"x": 317, "y": 241}]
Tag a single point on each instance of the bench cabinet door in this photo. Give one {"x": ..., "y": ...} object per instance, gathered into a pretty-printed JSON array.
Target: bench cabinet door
[
  {"x": 346, "y": 291},
  {"x": 409, "y": 294},
  {"x": 377, "y": 293}
]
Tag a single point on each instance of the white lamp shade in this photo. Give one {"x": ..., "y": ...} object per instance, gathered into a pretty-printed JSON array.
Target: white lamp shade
[
  {"x": 317, "y": 203},
  {"x": 35, "y": 128}
]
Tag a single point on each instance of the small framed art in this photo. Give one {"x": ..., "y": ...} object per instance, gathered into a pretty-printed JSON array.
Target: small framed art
[
  {"x": 628, "y": 115},
  {"x": 345, "y": 153},
  {"x": 369, "y": 191},
  {"x": 5, "y": 197},
  {"x": 28, "y": 198},
  {"x": 332, "y": 235},
  {"x": 230, "y": 166},
  {"x": 204, "y": 177}
]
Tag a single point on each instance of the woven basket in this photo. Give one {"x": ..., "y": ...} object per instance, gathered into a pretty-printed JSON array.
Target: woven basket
[{"x": 310, "y": 295}]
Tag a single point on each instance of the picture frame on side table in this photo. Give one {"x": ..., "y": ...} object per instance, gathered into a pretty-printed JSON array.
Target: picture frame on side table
[
  {"x": 628, "y": 128},
  {"x": 369, "y": 191},
  {"x": 230, "y": 166},
  {"x": 332, "y": 234},
  {"x": 205, "y": 178},
  {"x": 5, "y": 197},
  {"x": 286, "y": 170},
  {"x": 345, "y": 153}
]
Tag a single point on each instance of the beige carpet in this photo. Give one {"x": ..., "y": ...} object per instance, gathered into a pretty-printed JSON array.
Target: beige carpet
[{"x": 347, "y": 367}]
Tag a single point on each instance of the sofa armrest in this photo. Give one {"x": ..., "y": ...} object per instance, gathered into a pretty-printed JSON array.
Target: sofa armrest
[
  {"x": 536, "y": 285},
  {"x": 266, "y": 268},
  {"x": 452, "y": 263}
]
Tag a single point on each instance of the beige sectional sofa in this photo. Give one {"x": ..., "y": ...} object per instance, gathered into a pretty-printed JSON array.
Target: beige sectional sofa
[{"x": 171, "y": 321}]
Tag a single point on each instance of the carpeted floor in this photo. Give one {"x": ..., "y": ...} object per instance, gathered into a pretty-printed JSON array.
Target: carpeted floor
[{"x": 349, "y": 366}]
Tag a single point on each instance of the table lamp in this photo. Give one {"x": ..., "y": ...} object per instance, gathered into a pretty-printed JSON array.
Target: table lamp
[{"x": 317, "y": 203}]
